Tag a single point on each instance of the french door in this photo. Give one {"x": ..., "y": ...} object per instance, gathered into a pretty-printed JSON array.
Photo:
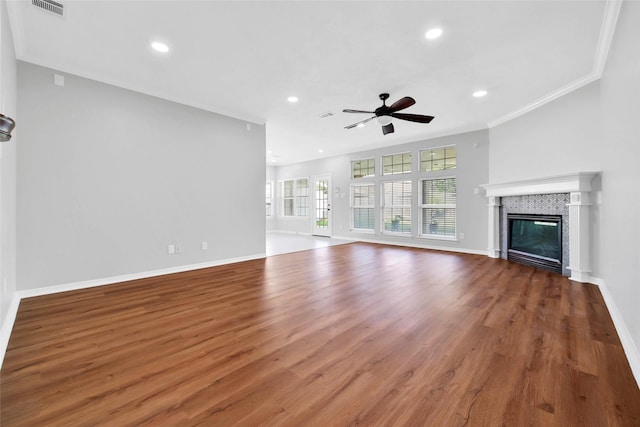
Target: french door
[{"x": 321, "y": 203}]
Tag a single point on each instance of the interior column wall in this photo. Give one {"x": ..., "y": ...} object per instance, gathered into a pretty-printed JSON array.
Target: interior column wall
[{"x": 8, "y": 159}]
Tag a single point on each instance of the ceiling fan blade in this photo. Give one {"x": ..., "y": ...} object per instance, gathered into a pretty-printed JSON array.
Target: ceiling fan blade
[
  {"x": 401, "y": 104},
  {"x": 412, "y": 117},
  {"x": 357, "y": 111},
  {"x": 360, "y": 122},
  {"x": 387, "y": 129}
]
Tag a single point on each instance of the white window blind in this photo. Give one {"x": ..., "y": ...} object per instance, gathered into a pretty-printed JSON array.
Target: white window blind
[
  {"x": 396, "y": 207},
  {"x": 438, "y": 207},
  {"x": 362, "y": 206}
]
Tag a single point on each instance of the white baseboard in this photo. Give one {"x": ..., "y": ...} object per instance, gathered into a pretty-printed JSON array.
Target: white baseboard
[
  {"x": 630, "y": 347},
  {"x": 412, "y": 244},
  {"x": 135, "y": 276},
  {"x": 295, "y": 233},
  {"x": 282, "y": 232},
  {"x": 7, "y": 326},
  {"x": 10, "y": 319}
]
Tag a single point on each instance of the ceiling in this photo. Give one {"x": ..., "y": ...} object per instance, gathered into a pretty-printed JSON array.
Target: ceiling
[{"x": 244, "y": 59}]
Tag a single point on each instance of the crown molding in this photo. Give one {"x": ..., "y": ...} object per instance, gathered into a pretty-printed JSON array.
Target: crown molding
[
  {"x": 546, "y": 99},
  {"x": 607, "y": 30}
]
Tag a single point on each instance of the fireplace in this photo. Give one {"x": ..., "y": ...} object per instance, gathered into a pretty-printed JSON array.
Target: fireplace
[
  {"x": 535, "y": 240},
  {"x": 576, "y": 187}
]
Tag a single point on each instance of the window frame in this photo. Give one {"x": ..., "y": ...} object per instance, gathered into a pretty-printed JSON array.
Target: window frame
[
  {"x": 431, "y": 149},
  {"x": 268, "y": 196},
  {"x": 352, "y": 208},
  {"x": 373, "y": 159},
  {"x": 295, "y": 198},
  {"x": 410, "y": 163},
  {"x": 422, "y": 205},
  {"x": 409, "y": 206}
]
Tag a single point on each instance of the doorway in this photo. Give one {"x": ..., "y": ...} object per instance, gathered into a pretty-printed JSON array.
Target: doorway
[{"x": 321, "y": 203}]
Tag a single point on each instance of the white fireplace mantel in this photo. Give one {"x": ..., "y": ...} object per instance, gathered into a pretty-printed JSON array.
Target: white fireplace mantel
[
  {"x": 579, "y": 186},
  {"x": 570, "y": 183}
]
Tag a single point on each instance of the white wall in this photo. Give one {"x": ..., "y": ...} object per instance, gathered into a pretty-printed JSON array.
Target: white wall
[
  {"x": 472, "y": 171},
  {"x": 108, "y": 178},
  {"x": 595, "y": 128},
  {"x": 8, "y": 90},
  {"x": 620, "y": 151}
]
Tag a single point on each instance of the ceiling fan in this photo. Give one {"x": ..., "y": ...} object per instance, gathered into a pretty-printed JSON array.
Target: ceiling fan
[{"x": 385, "y": 112}]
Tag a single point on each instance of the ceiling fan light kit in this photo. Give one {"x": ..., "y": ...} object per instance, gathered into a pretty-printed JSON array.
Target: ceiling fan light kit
[
  {"x": 384, "y": 120},
  {"x": 385, "y": 113},
  {"x": 6, "y": 127}
]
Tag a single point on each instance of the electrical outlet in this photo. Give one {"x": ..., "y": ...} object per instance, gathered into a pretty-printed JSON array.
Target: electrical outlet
[
  {"x": 461, "y": 236},
  {"x": 171, "y": 249},
  {"x": 204, "y": 246},
  {"x": 177, "y": 249}
]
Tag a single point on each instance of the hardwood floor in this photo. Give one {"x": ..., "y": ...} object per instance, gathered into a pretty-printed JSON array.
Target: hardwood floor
[{"x": 356, "y": 334}]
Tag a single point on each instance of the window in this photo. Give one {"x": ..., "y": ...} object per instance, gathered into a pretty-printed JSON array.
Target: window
[
  {"x": 268, "y": 196},
  {"x": 437, "y": 159},
  {"x": 438, "y": 208},
  {"x": 362, "y": 206},
  {"x": 396, "y": 207},
  {"x": 295, "y": 197},
  {"x": 396, "y": 164},
  {"x": 302, "y": 197},
  {"x": 363, "y": 168}
]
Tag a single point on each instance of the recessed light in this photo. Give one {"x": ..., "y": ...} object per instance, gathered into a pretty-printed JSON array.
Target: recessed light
[
  {"x": 480, "y": 93},
  {"x": 433, "y": 33},
  {"x": 320, "y": 150},
  {"x": 292, "y": 99},
  {"x": 160, "y": 47}
]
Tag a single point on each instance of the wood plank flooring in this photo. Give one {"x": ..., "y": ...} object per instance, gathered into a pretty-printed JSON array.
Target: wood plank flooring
[{"x": 356, "y": 334}]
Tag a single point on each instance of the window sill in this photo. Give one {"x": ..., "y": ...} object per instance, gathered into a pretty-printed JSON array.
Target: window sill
[
  {"x": 396, "y": 234},
  {"x": 438, "y": 237},
  {"x": 362, "y": 231}
]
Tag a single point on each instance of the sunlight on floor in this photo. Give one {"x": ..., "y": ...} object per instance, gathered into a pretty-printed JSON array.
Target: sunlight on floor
[{"x": 282, "y": 243}]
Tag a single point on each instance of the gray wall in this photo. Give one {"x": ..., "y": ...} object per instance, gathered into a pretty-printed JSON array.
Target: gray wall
[
  {"x": 8, "y": 91},
  {"x": 472, "y": 171},
  {"x": 107, "y": 178},
  {"x": 620, "y": 149},
  {"x": 595, "y": 128}
]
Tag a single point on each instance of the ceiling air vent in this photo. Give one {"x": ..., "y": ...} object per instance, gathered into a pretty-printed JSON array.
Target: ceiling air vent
[
  {"x": 325, "y": 115},
  {"x": 50, "y": 6}
]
